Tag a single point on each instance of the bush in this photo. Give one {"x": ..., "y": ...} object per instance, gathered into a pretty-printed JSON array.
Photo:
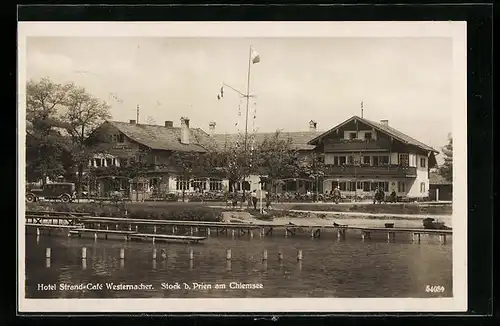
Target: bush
[{"x": 177, "y": 212}]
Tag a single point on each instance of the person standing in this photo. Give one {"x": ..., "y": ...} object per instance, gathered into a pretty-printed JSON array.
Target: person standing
[{"x": 254, "y": 199}]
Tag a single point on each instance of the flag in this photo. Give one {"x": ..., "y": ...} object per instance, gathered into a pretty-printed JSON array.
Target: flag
[
  {"x": 221, "y": 93},
  {"x": 255, "y": 56},
  {"x": 361, "y": 104}
]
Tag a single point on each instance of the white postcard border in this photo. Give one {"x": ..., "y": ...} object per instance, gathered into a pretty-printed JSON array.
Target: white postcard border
[{"x": 454, "y": 30}]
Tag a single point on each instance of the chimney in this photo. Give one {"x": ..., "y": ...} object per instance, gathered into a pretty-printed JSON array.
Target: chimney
[
  {"x": 384, "y": 122},
  {"x": 185, "y": 130},
  {"x": 169, "y": 124},
  {"x": 132, "y": 122},
  {"x": 312, "y": 126},
  {"x": 211, "y": 127}
]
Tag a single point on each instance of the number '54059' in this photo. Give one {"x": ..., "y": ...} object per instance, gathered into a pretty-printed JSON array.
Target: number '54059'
[{"x": 434, "y": 288}]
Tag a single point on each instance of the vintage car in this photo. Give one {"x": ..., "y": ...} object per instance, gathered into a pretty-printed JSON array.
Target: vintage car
[{"x": 63, "y": 191}]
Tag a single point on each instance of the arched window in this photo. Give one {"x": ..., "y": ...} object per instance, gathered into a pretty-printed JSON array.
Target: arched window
[{"x": 422, "y": 187}]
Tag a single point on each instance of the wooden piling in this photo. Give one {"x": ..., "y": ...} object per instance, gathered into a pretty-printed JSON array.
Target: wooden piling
[
  {"x": 191, "y": 230},
  {"x": 136, "y": 228},
  {"x": 84, "y": 263},
  {"x": 122, "y": 253},
  {"x": 47, "y": 253},
  {"x": 95, "y": 236},
  {"x": 228, "y": 254},
  {"x": 37, "y": 231},
  {"x": 154, "y": 229},
  {"x": 154, "y": 254},
  {"x": 299, "y": 255},
  {"x": 191, "y": 254},
  {"x": 416, "y": 237},
  {"x": 208, "y": 232},
  {"x": 84, "y": 253},
  {"x": 163, "y": 254},
  {"x": 264, "y": 254},
  {"x": 173, "y": 229},
  {"x": 442, "y": 238},
  {"x": 340, "y": 234},
  {"x": 232, "y": 233}
]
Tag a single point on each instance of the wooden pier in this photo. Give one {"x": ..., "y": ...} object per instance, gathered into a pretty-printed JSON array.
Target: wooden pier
[{"x": 190, "y": 231}]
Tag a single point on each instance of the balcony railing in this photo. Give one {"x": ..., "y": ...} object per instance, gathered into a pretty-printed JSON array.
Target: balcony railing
[
  {"x": 336, "y": 145},
  {"x": 371, "y": 171}
]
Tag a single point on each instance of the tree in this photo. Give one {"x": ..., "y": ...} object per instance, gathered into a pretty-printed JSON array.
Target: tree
[
  {"x": 84, "y": 113},
  {"x": 313, "y": 166},
  {"x": 188, "y": 165},
  {"x": 231, "y": 160},
  {"x": 45, "y": 145},
  {"x": 446, "y": 169},
  {"x": 277, "y": 159}
]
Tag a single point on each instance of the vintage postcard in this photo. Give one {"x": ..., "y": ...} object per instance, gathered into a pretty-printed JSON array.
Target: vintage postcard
[{"x": 220, "y": 166}]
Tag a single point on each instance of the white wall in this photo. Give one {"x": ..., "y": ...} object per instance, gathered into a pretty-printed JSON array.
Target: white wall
[
  {"x": 422, "y": 177},
  {"x": 394, "y": 158}
]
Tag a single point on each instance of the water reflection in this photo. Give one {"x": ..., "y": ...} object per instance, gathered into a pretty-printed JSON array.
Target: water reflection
[{"x": 328, "y": 268}]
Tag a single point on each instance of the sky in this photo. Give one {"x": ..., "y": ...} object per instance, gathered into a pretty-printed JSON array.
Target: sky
[{"x": 407, "y": 81}]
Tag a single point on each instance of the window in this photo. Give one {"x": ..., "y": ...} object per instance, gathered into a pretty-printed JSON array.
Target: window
[
  {"x": 198, "y": 184},
  {"x": 215, "y": 184},
  {"x": 181, "y": 184},
  {"x": 342, "y": 160},
  {"x": 334, "y": 184},
  {"x": 335, "y": 160},
  {"x": 350, "y": 160},
  {"x": 360, "y": 185},
  {"x": 352, "y": 186},
  {"x": 366, "y": 160},
  {"x": 374, "y": 186},
  {"x": 383, "y": 160},
  {"x": 404, "y": 159},
  {"x": 98, "y": 162},
  {"x": 121, "y": 138},
  {"x": 401, "y": 186},
  {"x": 422, "y": 187},
  {"x": 368, "y": 135},
  {"x": 366, "y": 186},
  {"x": 384, "y": 185},
  {"x": 422, "y": 162},
  {"x": 343, "y": 186},
  {"x": 375, "y": 161},
  {"x": 352, "y": 135},
  {"x": 109, "y": 162}
]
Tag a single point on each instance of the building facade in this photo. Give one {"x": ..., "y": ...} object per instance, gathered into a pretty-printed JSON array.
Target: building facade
[{"x": 361, "y": 155}]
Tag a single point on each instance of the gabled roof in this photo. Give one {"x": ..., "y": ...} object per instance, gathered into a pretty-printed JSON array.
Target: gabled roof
[
  {"x": 382, "y": 128},
  {"x": 299, "y": 139},
  {"x": 163, "y": 138}
]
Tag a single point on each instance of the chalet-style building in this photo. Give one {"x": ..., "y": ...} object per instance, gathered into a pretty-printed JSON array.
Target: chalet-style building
[
  {"x": 361, "y": 155},
  {"x": 127, "y": 139}
]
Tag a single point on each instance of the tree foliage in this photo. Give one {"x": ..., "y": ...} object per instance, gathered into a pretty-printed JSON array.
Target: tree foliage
[
  {"x": 446, "y": 169},
  {"x": 59, "y": 118},
  {"x": 45, "y": 143},
  {"x": 277, "y": 159},
  {"x": 231, "y": 160}
]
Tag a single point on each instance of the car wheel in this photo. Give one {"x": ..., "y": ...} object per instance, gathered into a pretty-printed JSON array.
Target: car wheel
[
  {"x": 30, "y": 198},
  {"x": 65, "y": 198}
]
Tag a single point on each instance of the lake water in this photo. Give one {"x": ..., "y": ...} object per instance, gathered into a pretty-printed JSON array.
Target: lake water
[{"x": 349, "y": 268}]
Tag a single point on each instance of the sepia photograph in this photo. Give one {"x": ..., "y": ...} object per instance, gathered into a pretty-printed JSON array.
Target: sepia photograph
[{"x": 223, "y": 166}]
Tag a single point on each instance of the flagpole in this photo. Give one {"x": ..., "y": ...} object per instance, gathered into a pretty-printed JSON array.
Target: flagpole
[{"x": 246, "y": 111}]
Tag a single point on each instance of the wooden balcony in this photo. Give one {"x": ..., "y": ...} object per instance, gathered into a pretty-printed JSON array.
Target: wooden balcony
[
  {"x": 371, "y": 171},
  {"x": 343, "y": 145}
]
